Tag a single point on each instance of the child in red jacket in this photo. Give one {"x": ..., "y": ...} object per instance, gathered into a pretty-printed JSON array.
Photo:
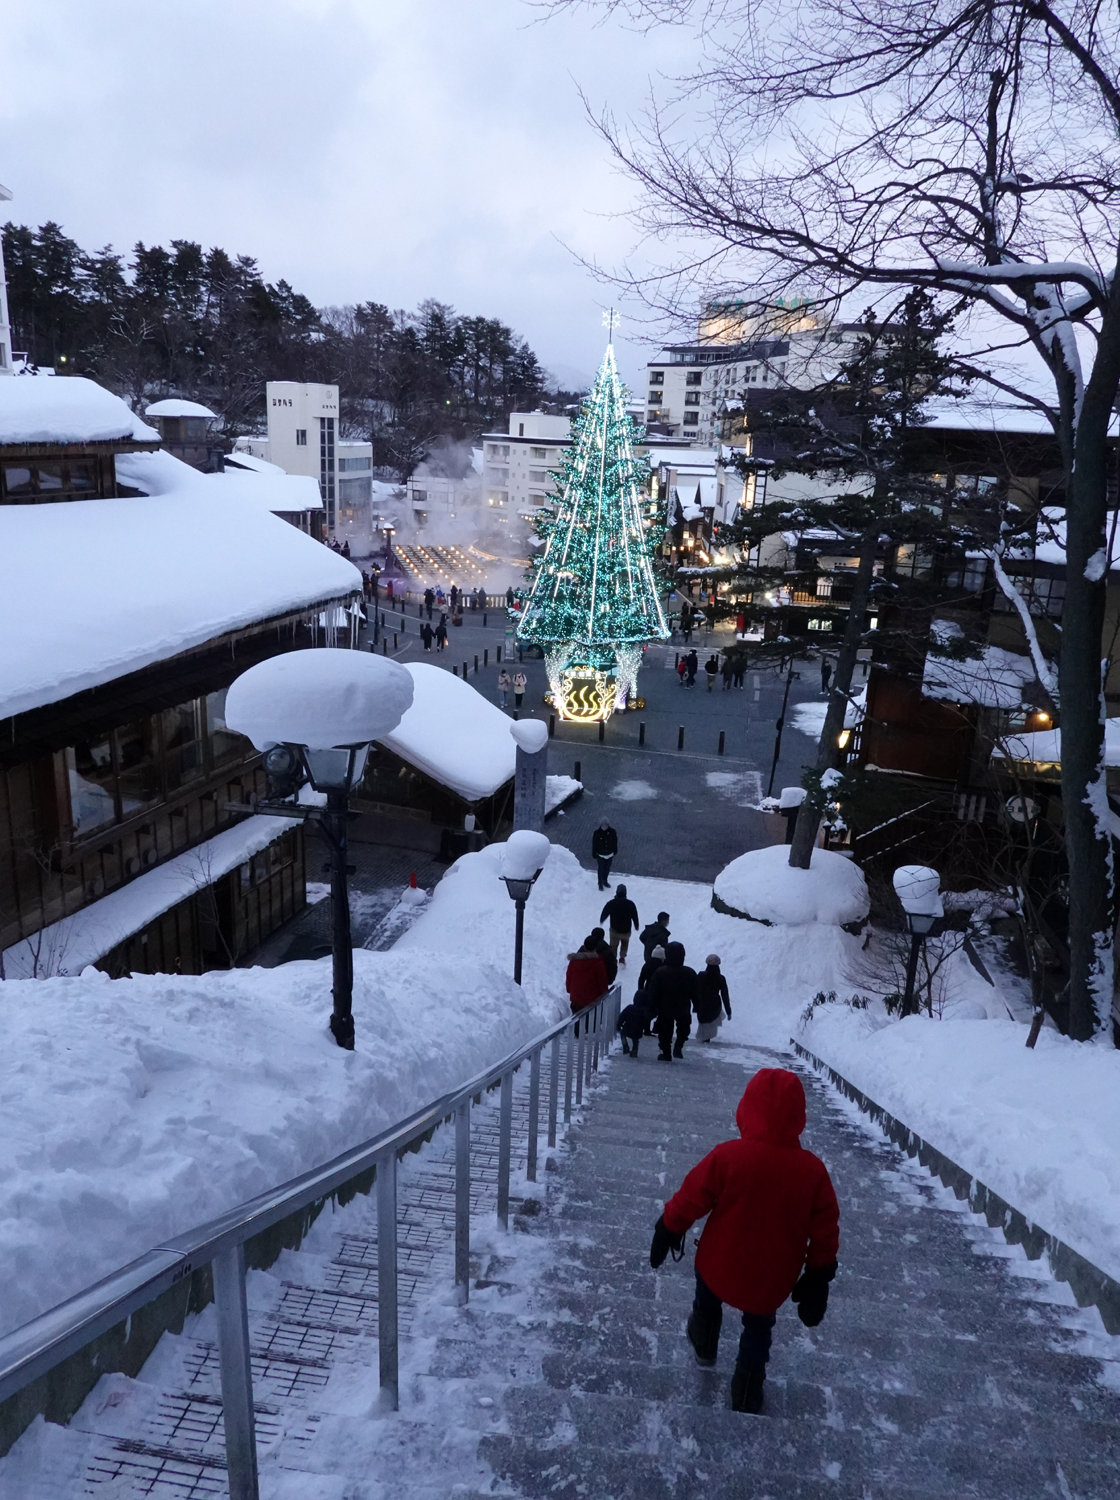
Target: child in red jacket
[{"x": 772, "y": 1230}]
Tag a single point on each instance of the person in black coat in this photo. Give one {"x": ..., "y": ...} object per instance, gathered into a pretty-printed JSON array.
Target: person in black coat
[
  {"x": 596, "y": 941},
  {"x": 674, "y": 990},
  {"x": 713, "y": 999},
  {"x": 604, "y": 847},
  {"x": 656, "y": 935},
  {"x": 623, "y": 915}
]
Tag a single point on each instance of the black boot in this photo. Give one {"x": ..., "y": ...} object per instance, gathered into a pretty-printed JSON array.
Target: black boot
[
  {"x": 625, "y": 1046},
  {"x": 634, "y": 1047},
  {"x": 746, "y": 1390},
  {"x": 703, "y": 1335},
  {"x": 678, "y": 1050},
  {"x": 664, "y": 1056}
]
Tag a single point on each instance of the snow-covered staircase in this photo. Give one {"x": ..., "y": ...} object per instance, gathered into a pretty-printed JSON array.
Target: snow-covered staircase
[{"x": 948, "y": 1365}]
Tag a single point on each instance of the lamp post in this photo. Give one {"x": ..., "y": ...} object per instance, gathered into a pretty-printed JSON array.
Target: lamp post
[
  {"x": 314, "y": 714},
  {"x": 918, "y": 889},
  {"x": 375, "y": 573},
  {"x": 522, "y": 861}
]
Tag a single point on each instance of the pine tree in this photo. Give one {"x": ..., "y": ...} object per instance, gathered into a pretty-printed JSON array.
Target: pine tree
[{"x": 594, "y": 599}]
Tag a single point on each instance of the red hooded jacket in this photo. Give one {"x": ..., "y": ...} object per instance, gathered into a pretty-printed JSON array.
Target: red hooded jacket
[
  {"x": 771, "y": 1206},
  {"x": 586, "y": 979}
]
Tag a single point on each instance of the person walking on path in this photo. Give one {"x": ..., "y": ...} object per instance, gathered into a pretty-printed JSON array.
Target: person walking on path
[
  {"x": 656, "y": 935},
  {"x": 520, "y": 683},
  {"x": 596, "y": 942},
  {"x": 504, "y": 685},
  {"x": 692, "y": 665},
  {"x": 441, "y": 633},
  {"x": 682, "y": 670},
  {"x": 429, "y": 601},
  {"x": 426, "y": 635},
  {"x": 740, "y": 670},
  {"x": 826, "y": 673},
  {"x": 585, "y": 980},
  {"x": 673, "y": 991},
  {"x": 773, "y": 1230},
  {"x": 712, "y": 1000},
  {"x": 509, "y": 597},
  {"x": 711, "y": 671},
  {"x": 623, "y": 916},
  {"x": 686, "y": 622},
  {"x": 604, "y": 847},
  {"x": 726, "y": 672}
]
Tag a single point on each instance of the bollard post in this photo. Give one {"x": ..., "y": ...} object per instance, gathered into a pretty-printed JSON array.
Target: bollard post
[
  {"x": 505, "y": 1132},
  {"x": 553, "y": 1090},
  {"x": 476, "y": 665},
  {"x": 236, "y": 1373},
  {"x": 498, "y": 654},
  {"x": 394, "y": 640},
  {"x": 680, "y": 737},
  {"x": 534, "y": 1111},
  {"x": 721, "y": 742},
  {"x": 463, "y": 1200},
  {"x": 464, "y": 671},
  {"x": 577, "y": 770},
  {"x": 384, "y": 646},
  {"x": 552, "y": 726},
  {"x": 486, "y": 657},
  {"x": 388, "y": 1349},
  {"x": 641, "y": 733},
  {"x": 602, "y": 730},
  {"x": 484, "y": 619},
  {"x": 454, "y": 671},
  {"x": 568, "y": 1073}
]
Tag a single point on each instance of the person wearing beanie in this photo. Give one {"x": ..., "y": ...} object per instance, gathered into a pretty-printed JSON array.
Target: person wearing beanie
[{"x": 712, "y": 999}]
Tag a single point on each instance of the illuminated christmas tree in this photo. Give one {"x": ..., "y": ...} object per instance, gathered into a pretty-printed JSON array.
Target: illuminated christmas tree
[{"x": 594, "y": 599}]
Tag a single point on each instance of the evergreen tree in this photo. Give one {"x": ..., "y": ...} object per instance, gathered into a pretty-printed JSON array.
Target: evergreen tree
[{"x": 594, "y": 597}]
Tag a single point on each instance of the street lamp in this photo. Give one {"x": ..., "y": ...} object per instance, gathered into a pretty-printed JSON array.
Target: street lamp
[
  {"x": 314, "y": 714},
  {"x": 918, "y": 889},
  {"x": 522, "y": 861}
]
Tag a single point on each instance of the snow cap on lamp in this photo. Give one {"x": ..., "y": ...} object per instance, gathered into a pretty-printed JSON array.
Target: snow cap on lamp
[
  {"x": 524, "y": 854},
  {"x": 531, "y": 735},
  {"x": 319, "y": 698},
  {"x": 918, "y": 888}
]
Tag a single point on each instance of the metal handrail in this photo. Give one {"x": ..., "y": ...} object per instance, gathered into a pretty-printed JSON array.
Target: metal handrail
[{"x": 29, "y": 1352}]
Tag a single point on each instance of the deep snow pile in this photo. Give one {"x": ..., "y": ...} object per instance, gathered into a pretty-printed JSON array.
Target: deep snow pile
[
  {"x": 454, "y": 734},
  {"x": 1039, "y": 1127},
  {"x": 763, "y": 885},
  {"x": 74, "y": 410},
  {"x": 135, "y": 1109}
]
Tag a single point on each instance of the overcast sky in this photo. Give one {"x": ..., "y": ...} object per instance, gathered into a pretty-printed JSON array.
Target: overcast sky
[{"x": 387, "y": 150}]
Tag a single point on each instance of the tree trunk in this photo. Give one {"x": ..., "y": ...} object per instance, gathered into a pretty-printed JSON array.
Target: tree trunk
[
  {"x": 828, "y": 748},
  {"x": 1084, "y": 796}
]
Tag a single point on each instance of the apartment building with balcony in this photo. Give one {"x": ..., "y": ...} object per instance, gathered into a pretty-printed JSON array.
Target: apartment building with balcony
[{"x": 520, "y": 467}]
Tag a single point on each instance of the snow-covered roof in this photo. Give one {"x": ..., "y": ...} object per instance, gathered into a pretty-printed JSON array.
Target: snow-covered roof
[
  {"x": 994, "y": 679},
  {"x": 91, "y": 590},
  {"x": 240, "y": 459},
  {"x": 1051, "y": 547},
  {"x": 173, "y": 406},
  {"x": 683, "y": 458},
  {"x": 163, "y": 474},
  {"x": 1044, "y": 746},
  {"x": 684, "y": 496},
  {"x": 69, "y": 410},
  {"x": 974, "y": 414},
  {"x": 454, "y": 735}
]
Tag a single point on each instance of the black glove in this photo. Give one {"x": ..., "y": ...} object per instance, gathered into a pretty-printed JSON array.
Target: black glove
[
  {"x": 663, "y": 1242},
  {"x": 811, "y": 1294}
]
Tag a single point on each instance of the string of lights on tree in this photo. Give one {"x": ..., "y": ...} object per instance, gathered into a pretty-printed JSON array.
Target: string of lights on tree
[{"x": 594, "y": 603}]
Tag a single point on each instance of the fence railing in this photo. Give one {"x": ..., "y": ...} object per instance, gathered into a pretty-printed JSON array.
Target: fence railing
[{"x": 32, "y": 1351}]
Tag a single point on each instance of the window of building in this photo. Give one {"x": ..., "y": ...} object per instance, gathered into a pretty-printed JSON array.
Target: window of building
[
  {"x": 694, "y": 377},
  {"x": 816, "y": 623},
  {"x": 538, "y": 452},
  {"x": 301, "y": 437},
  {"x": 692, "y": 398},
  {"x": 355, "y": 465},
  {"x": 41, "y": 483},
  {"x": 912, "y": 561},
  {"x": 1042, "y": 596},
  {"x": 89, "y": 770},
  {"x": 657, "y": 377},
  {"x": 498, "y": 497},
  {"x": 497, "y": 450},
  {"x": 539, "y": 476},
  {"x": 327, "y": 467},
  {"x": 692, "y": 419},
  {"x": 183, "y": 758},
  {"x": 138, "y": 776},
  {"x": 224, "y": 743}
]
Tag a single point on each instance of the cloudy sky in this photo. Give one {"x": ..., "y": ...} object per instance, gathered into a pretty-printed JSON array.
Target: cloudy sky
[{"x": 363, "y": 149}]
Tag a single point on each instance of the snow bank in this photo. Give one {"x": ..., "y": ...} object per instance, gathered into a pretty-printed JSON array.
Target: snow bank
[
  {"x": 268, "y": 486},
  {"x": 92, "y": 590},
  {"x": 71, "y": 410},
  {"x": 139, "y": 1108},
  {"x": 454, "y": 734},
  {"x": 763, "y": 885},
  {"x": 1038, "y": 1127},
  {"x": 67, "y": 946}
]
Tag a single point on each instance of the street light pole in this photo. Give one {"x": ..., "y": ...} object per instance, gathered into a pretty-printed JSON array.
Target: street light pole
[
  {"x": 342, "y": 956},
  {"x": 518, "y": 940},
  {"x": 918, "y": 890}
]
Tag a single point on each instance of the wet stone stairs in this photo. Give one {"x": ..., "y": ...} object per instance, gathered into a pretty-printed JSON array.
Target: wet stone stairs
[{"x": 948, "y": 1364}]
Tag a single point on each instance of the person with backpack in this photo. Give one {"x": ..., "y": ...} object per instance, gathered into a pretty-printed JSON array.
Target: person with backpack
[
  {"x": 520, "y": 683},
  {"x": 773, "y": 1230},
  {"x": 504, "y": 685}
]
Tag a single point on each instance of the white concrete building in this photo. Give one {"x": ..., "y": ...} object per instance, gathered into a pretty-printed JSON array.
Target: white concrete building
[
  {"x": 520, "y": 467},
  {"x": 5, "y": 326},
  {"x": 303, "y": 436}
]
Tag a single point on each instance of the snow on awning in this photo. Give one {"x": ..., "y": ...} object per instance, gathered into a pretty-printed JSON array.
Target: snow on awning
[
  {"x": 92, "y": 590},
  {"x": 994, "y": 679},
  {"x": 68, "y": 946},
  {"x": 454, "y": 735},
  {"x": 1044, "y": 746},
  {"x": 163, "y": 474},
  {"x": 67, "y": 410}
]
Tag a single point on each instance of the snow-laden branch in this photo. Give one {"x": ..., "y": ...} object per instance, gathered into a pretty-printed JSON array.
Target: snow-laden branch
[{"x": 1043, "y": 670}]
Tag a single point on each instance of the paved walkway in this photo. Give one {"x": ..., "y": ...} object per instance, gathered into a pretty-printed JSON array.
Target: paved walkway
[{"x": 948, "y": 1364}]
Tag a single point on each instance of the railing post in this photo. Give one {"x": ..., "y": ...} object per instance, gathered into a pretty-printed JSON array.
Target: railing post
[
  {"x": 581, "y": 1052},
  {"x": 237, "y": 1373},
  {"x": 387, "y": 1332},
  {"x": 596, "y": 1019},
  {"x": 553, "y": 1089},
  {"x": 463, "y": 1200},
  {"x": 534, "y": 1111},
  {"x": 569, "y": 1063},
  {"x": 587, "y": 1061},
  {"x": 505, "y": 1132}
]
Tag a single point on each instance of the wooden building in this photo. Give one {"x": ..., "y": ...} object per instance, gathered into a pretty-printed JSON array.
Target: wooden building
[{"x": 125, "y": 618}]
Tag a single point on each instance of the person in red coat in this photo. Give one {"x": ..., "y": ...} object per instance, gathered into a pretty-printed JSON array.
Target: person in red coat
[
  {"x": 586, "y": 978},
  {"x": 772, "y": 1231}
]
